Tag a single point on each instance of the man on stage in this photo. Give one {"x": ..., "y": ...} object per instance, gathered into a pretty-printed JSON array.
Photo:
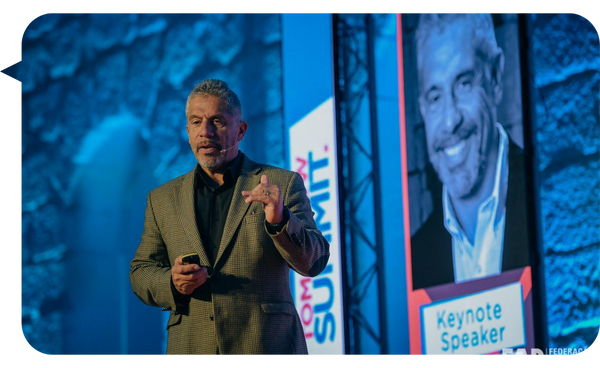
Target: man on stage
[{"x": 248, "y": 222}]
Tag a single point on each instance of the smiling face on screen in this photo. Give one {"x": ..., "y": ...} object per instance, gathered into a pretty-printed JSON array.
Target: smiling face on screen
[{"x": 458, "y": 100}]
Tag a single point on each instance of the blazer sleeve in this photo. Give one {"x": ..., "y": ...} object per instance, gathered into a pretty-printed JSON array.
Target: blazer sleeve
[
  {"x": 150, "y": 272},
  {"x": 299, "y": 242}
]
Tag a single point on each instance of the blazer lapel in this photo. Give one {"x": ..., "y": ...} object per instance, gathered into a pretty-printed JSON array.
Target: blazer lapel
[
  {"x": 247, "y": 180},
  {"x": 184, "y": 197}
]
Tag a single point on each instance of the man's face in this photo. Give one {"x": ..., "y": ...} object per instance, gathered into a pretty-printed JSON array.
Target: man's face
[
  {"x": 456, "y": 88},
  {"x": 211, "y": 129}
]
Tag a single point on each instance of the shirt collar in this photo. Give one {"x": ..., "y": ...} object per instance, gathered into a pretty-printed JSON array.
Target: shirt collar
[{"x": 501, "y": 176}]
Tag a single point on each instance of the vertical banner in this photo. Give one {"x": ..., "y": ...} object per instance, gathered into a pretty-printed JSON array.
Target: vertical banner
[
  {"x": 309, "y": 115},
  {"x": 465, "y": 209},
  {"x": 319, "y": 299}
]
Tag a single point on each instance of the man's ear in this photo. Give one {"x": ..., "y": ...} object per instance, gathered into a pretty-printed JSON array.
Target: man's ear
[
  {"x": 242, "y": 126},
  {"x": 497, "y": 73}
]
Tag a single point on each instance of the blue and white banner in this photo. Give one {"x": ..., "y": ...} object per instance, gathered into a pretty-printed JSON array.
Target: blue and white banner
[
  {"x": 319, "y": 299},
  {"x": 309, "y": 116}
]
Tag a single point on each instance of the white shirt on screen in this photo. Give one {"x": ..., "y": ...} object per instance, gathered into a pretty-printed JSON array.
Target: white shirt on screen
[{"x": 483, "y": 257}]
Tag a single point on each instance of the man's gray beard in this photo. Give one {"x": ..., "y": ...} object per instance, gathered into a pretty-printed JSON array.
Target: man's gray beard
[
  {"x": 464, "y": 180},
  {"x": 211, "y": 162}
]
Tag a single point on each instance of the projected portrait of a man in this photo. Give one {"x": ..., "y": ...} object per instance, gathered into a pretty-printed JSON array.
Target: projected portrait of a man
[{"x": 472, "y": 232}]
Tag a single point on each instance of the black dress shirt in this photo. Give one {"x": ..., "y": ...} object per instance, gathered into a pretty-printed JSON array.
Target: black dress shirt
[{"x": 211, "y": 203}]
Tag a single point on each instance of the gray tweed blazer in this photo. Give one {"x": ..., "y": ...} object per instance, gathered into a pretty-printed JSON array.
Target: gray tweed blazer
[{"x": 246, "y": 306}]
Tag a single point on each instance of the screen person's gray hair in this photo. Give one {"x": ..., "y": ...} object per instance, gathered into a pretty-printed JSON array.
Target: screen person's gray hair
[
  {"x": 481, "y": 25},
  {"x": 220, "y": 89}
]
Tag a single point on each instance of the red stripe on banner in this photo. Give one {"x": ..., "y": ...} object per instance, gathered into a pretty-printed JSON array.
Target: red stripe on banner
[
  {"x": 414, "y": 299},
  {"x": 403, "y": 152},
  {"x": 525, "y": 281}
]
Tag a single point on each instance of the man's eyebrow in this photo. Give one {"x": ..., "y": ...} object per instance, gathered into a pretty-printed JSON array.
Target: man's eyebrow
[
  {"x": 213, "y": 117},
  {"x": 466, "y": 73}
]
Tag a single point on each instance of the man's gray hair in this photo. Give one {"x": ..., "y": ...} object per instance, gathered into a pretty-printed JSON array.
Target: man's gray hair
[
  {"x": 216, "y": 88},
  {"x": 481, "y": 25}
]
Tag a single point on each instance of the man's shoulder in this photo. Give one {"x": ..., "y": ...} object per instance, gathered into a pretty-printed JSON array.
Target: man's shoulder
[
  {"x": 269, "y": 169},
  {"x": 167, "y": 188},
  {"x": 273, "y": 172}
]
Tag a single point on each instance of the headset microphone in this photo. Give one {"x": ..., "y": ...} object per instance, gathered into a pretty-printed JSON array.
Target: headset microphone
[{"x": 225, "y": 150}]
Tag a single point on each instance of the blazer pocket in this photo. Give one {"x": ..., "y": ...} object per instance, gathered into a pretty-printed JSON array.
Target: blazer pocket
[
  {"x": 258, "y": 217},
  {"x": 279, "y": 307},
  {"x": 174, "y": 319}
]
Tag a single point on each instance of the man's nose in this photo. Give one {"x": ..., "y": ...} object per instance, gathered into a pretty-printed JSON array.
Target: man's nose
[
  {"x": 206, "y": 129},
  {"x": 452, "y": 115}
]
